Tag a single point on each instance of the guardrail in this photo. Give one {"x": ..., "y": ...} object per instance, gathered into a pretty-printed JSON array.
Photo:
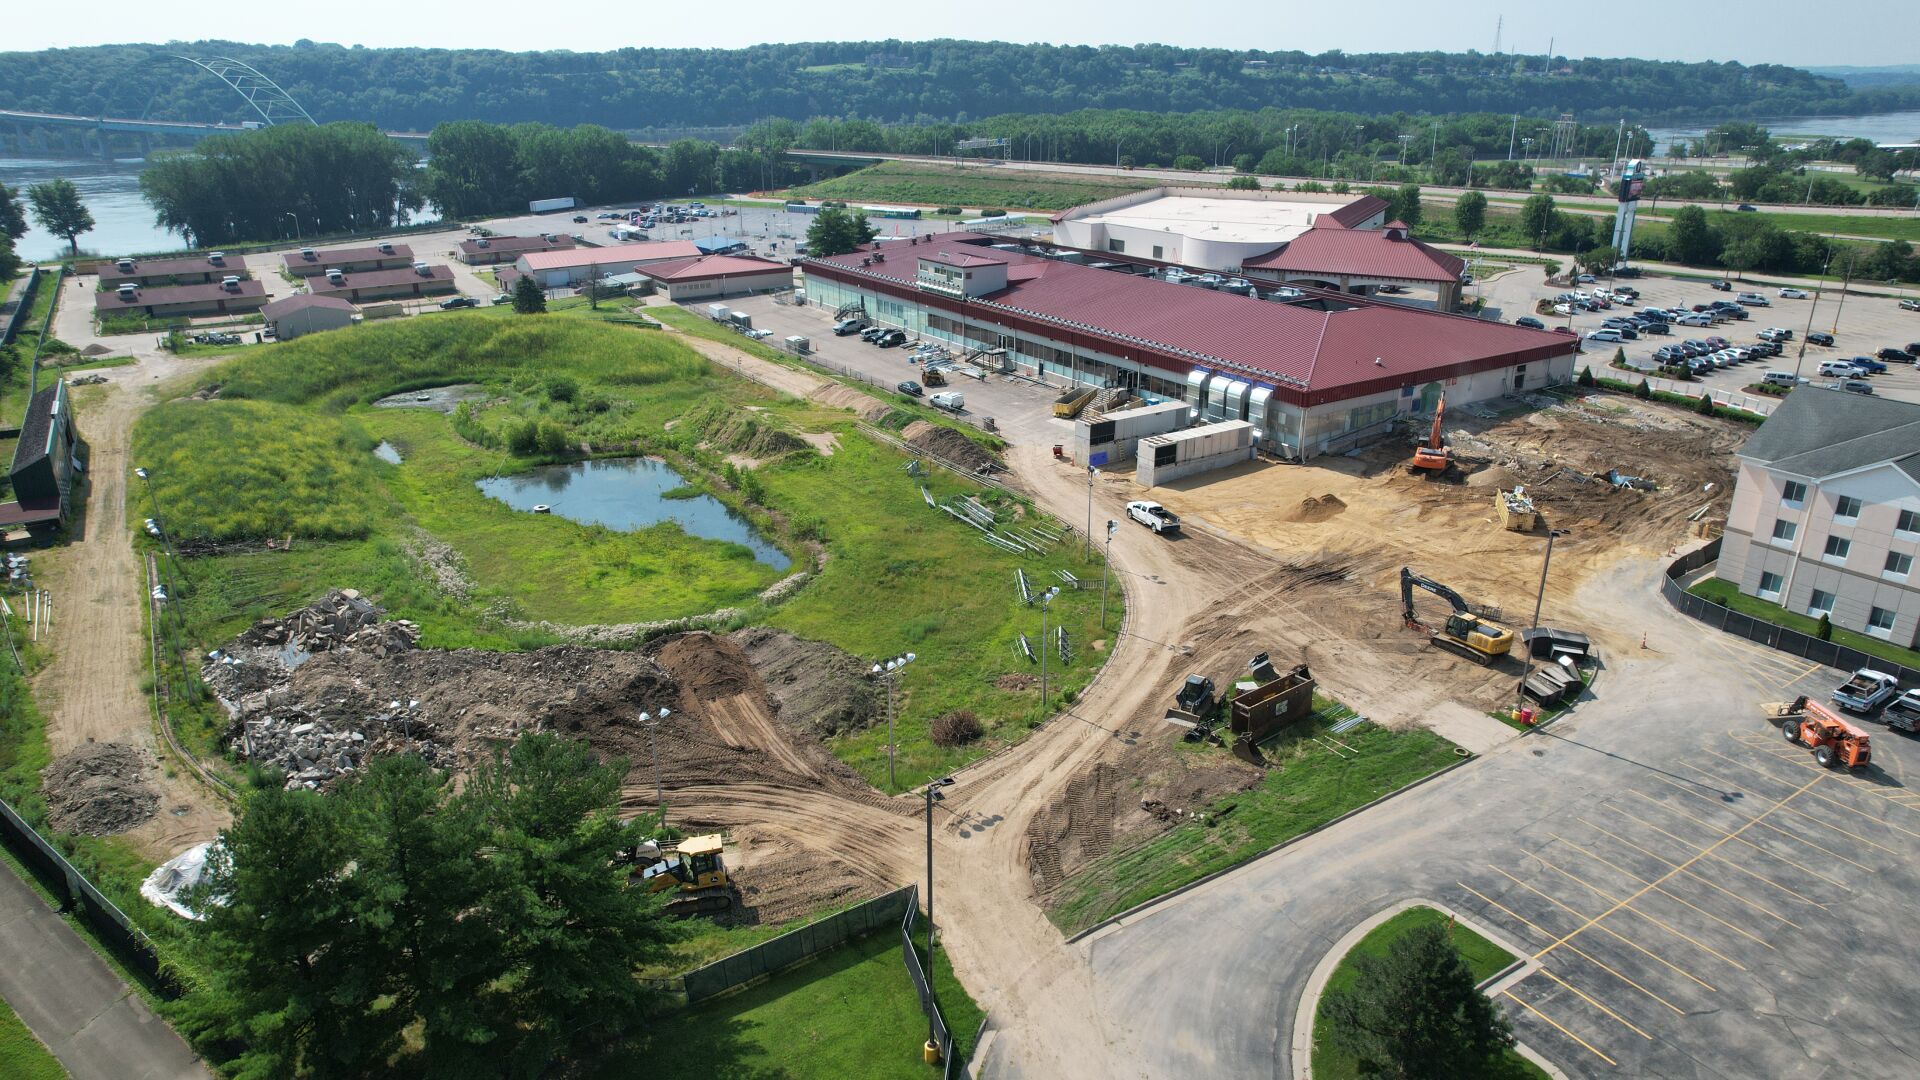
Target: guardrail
[{"x": 1762, "y": 632}]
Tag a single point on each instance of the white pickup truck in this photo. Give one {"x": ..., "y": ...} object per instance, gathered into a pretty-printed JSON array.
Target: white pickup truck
[
  {"x": 1866, "y": 691},
  {"x": 1153, "y": 516},
  {"x": 1903, "y": 712}
]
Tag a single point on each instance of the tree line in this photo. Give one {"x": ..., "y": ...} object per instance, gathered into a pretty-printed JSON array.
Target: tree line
[{"x": 890, "y": 81}]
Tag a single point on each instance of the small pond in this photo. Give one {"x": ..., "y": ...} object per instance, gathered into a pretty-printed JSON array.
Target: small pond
[
  {"x": 626, "y": 494},
  {"x": 387, "y": 452}
]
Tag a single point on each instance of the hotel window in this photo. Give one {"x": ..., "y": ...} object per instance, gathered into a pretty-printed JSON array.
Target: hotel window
[
  {"x": 1837, "y": 547},
  {"x": 1880, "y": 622},
  {"x": 1821, "y": 603},
  {"x": 1783, "y": 530},
  {"x": 1898, "y": 563},
  {"x": 1909, "y": 522},
  {"x": 1770, "y": 583},
  {"x": 1846, "y": 506},
  {"x": 1794, "y": 493}
]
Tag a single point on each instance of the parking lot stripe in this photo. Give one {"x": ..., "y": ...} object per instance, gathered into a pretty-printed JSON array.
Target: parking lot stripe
[
  {"x": 1772, "y": 828},
  {"x": 1574, "y": 949},
  {"x": 1797, "y": 761},
  {"x": 1816, "y": 795},
  {"x": 1696, "y": 875},
  {"x": 1663, "y": 891},
  {"x": 1562, "y": 1029},
  {"x": 1628, "y": 1024},
  {"x": 1592, "y": 923},
  {"x": 1757, "y": 877},
  {"x": 1703, "y": 854},
  {"x": 1788, "y": 809},
  {"x": 1605, "y": 895}
]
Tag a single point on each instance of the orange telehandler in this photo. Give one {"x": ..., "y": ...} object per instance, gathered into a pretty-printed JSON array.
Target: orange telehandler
[{"x": 1834, "y": 740}]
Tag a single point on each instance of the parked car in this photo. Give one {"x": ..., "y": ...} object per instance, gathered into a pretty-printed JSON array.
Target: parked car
[
  {"x": 1608, "y": 336},
  {"x": 1563, "y": 309},
  {"x": 848, "y": 326},
  {"x": 1666, "y": 354},
  {"x": 1754, "y": 299},
  {"x": 579, "y": 219},
  {"x": 1530, "y": 323},
  {"x": 872, "y": 334},
  {"x": 1793, "y": 294},
  {"x": 1910, "y": 305},
  {"x": 1869, "y": 365},
  {"x": 1776, "y": 333},
  {"x": 1853, "y": 386},
  {"x": 910, "y": 388},
  {"x": 1584, "y": 279},
  {"x": 1718, "y": 342},
  {"x": 453, "y": 302},
  {"x": 1838, "y": 368},
  {"x": 892, "y": 338},
  {"x": 1659, "y": 329},
  {"x": 1721, "y": 286},
  {"x": 1765, "y": 348},
  {"x": 1153, "y": 516},
  {"x": 503, "y": 298},
  {"x": 1895, "y": 356},
  {"x": 1820, "y": 337}
]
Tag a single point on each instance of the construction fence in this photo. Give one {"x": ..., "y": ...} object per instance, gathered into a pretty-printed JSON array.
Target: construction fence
[
  {"x": 1765, "y": 633},
  {"x": 76, "y": 893},
  {"x": 937, "y": 1024},
  {"x": 777, "y": 954}
]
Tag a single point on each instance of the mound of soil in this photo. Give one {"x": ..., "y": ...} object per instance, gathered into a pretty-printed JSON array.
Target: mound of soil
[
  {"x": 948, "y": 445},
  {"x": 864, "y": 405},
  {"x": 1320, "y": 509},
  {"x": 100, "y": 789},
  {"x": 818, "y": 689}
]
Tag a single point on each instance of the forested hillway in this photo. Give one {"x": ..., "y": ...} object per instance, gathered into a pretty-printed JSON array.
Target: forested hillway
[{"x": 637, "y": 89}]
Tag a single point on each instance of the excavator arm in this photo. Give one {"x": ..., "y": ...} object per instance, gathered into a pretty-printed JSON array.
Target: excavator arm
[{"x": 1409, "y": 579}]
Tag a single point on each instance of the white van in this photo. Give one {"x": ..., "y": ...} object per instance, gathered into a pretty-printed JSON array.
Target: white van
[
  {"x": 1838, "y": 368},
  {"x": 1780, "y": 378},
  {"x": 949, "y": 400}
]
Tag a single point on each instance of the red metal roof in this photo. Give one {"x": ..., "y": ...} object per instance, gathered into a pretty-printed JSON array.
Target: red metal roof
[
  {"x": 710, "y": 266},
  {"x": 165, "y": 295},
  {"x": 303, "y": 301},
  {"x": 513, "y": 245},
  {"x": 1359, "y": 210},
  {"x": 642, "y": 252},
  {"x": 1320, "y": 355},
  {"x": 185, "y": 264},
  {"x": 322, "y": 285},
  {"x": 1371, "y": 253},
  {"x": 341, "y": 256}
]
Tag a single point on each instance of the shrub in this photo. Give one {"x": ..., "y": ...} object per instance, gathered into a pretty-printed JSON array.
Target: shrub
[
  {"x": 1586, "y": 376},
  {"x": 553, "y": 438},
  {"x": 993, "y": 213},
  {"x": 562, "y": 387},
  {"x": 1243, "y": 183},
  {"x": 1705, "y": 404},
  {"x": 957, "y": 728},
  {"x": 523, "y": 438},
  {"x": 1825, "y": 630},
  {"x": 954, "y": 210},
  {"x": 1644, "y": 391}
]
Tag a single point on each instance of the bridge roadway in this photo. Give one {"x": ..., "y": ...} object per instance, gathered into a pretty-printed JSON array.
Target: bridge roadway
[{"x": 146, "y": 127}]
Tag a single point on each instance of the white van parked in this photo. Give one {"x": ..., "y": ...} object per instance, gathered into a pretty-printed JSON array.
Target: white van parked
[
  {"x": 1780, "y": 378},
  {"x": 1838, "y": 368}
]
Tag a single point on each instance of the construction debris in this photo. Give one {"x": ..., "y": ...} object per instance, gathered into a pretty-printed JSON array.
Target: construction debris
[
  {"x": 98, "y": 789},
  {"x": 1515, "y": 510}
]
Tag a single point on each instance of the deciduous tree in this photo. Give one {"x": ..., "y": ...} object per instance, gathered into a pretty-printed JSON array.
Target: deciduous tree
[
  {"x": 1470, "y": 213},
  {"x": 58, "y": 208}
]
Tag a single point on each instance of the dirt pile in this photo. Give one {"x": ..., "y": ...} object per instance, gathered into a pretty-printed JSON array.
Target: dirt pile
[
  {"x": 1320, "y": 509},
  {"x": 99, "y": 789},
  {"x": 865, "y": 405},
  {"x": 950, "y": 446},
  {"x": 819, "y": 689}
]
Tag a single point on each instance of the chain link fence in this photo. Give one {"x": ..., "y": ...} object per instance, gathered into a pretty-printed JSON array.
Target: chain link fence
[{"x": 776, "y": 954}]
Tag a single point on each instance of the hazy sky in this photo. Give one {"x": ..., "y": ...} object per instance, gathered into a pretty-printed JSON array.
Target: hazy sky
[{"x": 1865, "y": 32}]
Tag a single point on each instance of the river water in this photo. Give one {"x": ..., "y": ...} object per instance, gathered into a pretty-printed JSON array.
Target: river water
[
  {"x": 1900, "y": 127},
  {"x": 123, "y": 222}
]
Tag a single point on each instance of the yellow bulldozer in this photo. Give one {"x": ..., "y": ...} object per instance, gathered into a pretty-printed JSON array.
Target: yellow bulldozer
[{"x": 693, "y": 871}]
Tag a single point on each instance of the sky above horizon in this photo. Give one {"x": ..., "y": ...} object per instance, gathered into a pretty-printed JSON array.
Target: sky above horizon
[{"x": 1874, "y": 32}]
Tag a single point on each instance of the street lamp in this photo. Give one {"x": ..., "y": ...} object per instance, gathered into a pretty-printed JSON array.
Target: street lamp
[
  {"x": 1092, "y": 475},
  {"x": 1046, "y": 602},
  {"x": 1520, "y": 692},
  {"x": 889, "y": 671},
  {"x": 933, "y": 1010},
  {"x": 652, "y": 724},
  {"x": 1106, "y": 571},
  {"x": 296, "y": 223}
]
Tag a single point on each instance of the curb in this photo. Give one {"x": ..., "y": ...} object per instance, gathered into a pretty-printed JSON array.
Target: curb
[
  {"x": 1113, "y": 921},
  {"x": 1303, "y": 1016}
]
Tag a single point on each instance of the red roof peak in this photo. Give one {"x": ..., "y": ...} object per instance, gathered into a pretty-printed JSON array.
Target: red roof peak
[{"x": 1396, "y": 223}]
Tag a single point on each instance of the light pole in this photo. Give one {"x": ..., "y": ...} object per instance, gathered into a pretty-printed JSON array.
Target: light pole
[
  {"x": 933, "y": 1040},
  {"x": 889, "y": 671},
  {"x": 652, "y": 724},
  {"x": 1520, "y": 692},
  {"x": 1106, "y": 571},
  {"x": 1092, "y": 475},
  {"x": 296, "y": 224},
  {"x": 1046, "y": 603}
]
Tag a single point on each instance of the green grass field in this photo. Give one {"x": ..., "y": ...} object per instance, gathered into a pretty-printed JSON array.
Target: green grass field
[
  {"x": 943, "y": 185},
  {"x": 1483, "y": 958},
  {"x": 23, "y": 1057},
  {"x": 1729, "y": 595},
  {"x": 1308, "y": 786},
  {"x": 850, "y": 1014}
]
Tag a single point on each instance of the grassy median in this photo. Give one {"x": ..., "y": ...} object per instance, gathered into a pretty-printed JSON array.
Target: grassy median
[{"x": 23, "y": 1057}]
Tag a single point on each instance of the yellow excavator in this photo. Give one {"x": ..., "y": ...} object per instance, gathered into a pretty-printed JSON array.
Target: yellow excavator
[
  {"x": 694, "y": 871},
  {"x": 1464, "y": 632}
]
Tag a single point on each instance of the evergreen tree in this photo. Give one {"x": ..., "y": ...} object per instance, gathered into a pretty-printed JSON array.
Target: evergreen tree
[
  {"x": 1644, "y": 391},
  {"x": 528, "y": 297},
  {"x": 1586, "y": 377},
  {"x": 1703, "y": 404},
  {"x": 1415, "y": 1013}
]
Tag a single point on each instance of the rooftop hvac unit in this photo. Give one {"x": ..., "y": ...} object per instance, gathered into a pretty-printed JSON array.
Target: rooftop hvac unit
[
  {"x": 126, "y": 291},
  {"x": 386, "y": 247},
  {"x": 231, "y": 283},
  {"x": 423, "y": 269},
  {"x": 549, "y": 237},
  {"x": 217, "y": 258},
  {"x": 306, "y": 253},
  {"x": 334, "y": 275},
  {"x": 125, "y": 265},
  {"x": 482, "y": 242}
]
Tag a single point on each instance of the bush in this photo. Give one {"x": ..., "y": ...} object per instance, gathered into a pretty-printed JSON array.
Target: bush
[
  {"x": 1705, "y": 406},
  {"x": 1644, "y": 391},
  {"x": 1825, "y": 630},
  {"x": 993, "y": 213},
  {"x": 957, "y": 728},
  {"x": 1586, "y": 376},
  {"x": 954, "y": 210},
  {"x": 562, "y": 387},
  {"x": 1243, "y": 183}
]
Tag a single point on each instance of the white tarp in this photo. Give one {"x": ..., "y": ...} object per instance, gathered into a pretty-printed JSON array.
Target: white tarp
[{"x": 170, "y": 881}]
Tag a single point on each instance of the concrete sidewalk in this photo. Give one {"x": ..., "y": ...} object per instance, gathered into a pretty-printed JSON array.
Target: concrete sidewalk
[{"x": 94, "y": 1023}]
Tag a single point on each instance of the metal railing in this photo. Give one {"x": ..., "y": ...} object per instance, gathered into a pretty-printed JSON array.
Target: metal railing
[
  {"x": 1753, "y": 403},
  {"x": 12, "y": 329},
  {"x": 920, "y": 976},
  {"x": 1762, "y": 632}
]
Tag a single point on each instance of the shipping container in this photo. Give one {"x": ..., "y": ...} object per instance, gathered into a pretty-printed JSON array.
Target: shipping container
[
  {"x": 548, "y": 206},
  {"x": 718, "y": 312}
]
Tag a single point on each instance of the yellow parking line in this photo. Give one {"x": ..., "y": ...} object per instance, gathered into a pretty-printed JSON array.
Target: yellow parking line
[
  {"x": 1605, "y": 895},
  {"x": 1591, "y": 922},
  {"x": 1774, "y": 749},
  {"x": 1796, "y": 761},
  {"x": 1574, "y": 949},
  {"x": 1708, "y": 851},
  {"x": 1628, "y": 1024},
  {"x": 1851, "y": 810},
  {"x": 1697, "y": 876},
  {"x": 1772, "y": 828},
  {"x": 1762, "y": 878},
  {"x": 1679, "y": 899},
  {"x": 1561, "y": 1028}
]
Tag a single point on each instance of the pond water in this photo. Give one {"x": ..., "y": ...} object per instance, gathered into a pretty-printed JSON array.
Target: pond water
[
  {"x": 626, "y": 494},
  {"x": 387, "y": 452}
]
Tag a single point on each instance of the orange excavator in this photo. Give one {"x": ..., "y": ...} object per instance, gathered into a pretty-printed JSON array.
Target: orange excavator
[{"x": 1434, "y": 457}]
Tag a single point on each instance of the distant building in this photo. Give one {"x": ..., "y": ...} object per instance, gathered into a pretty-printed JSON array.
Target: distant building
[
  {"x": 305, "y": 313},
  {"x": 191, "y": 270},
  {"x": 717, "y": 276},
  {"x": 558, "y": 269},
  {"x": 1332, "y": 256},
  {"x": 720, "y": 245},
  {"x": 181, "y": 301},
  {"x": 1826, "y": 513},
  {"x": 382, "y": 256},
  {"x": 488, "y": 250},
  {"x": 43, "y": 464},
  {"x": 396, "y": 284}
]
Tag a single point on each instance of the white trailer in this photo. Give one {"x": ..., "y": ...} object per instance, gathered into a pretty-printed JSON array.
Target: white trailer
[{"x": 548, "y": 206}]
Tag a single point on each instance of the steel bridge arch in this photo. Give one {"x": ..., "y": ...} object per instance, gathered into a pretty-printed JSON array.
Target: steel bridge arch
[{"x": 274, "y": 105}]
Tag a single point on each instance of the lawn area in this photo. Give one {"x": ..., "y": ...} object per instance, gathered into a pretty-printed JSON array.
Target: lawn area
[
  {"x": 946, "y": 185},
  {"x": 23, "y": 1057},
  {"x": 1308, "y": 786},
  {"x": 850, "y": 1014},
  {"x": 1901, "y": 227},
  {"x": 1727, "y": 594},
  {"x": 1483, "y": 958}
]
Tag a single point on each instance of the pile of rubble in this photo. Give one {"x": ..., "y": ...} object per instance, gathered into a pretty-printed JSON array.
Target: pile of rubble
[{"x": 98, "y": 789}]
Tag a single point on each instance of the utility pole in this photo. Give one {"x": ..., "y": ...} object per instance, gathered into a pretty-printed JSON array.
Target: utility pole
[
  {"x": 1520, "y": 692},
  {"x": 1092, "y": 475},
  {"x": 1512, "y": 130},
  {"x": 933, "y": 1036},
  {"x": 1046, "y": 603},
  {"x": 889, "y": 672},
  {"x": 1811, "y": 308},
  {"x": 1852, "y": 253},
  {"x": 1106, "y": 572},
  {"x": 652, "y": 724}
]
